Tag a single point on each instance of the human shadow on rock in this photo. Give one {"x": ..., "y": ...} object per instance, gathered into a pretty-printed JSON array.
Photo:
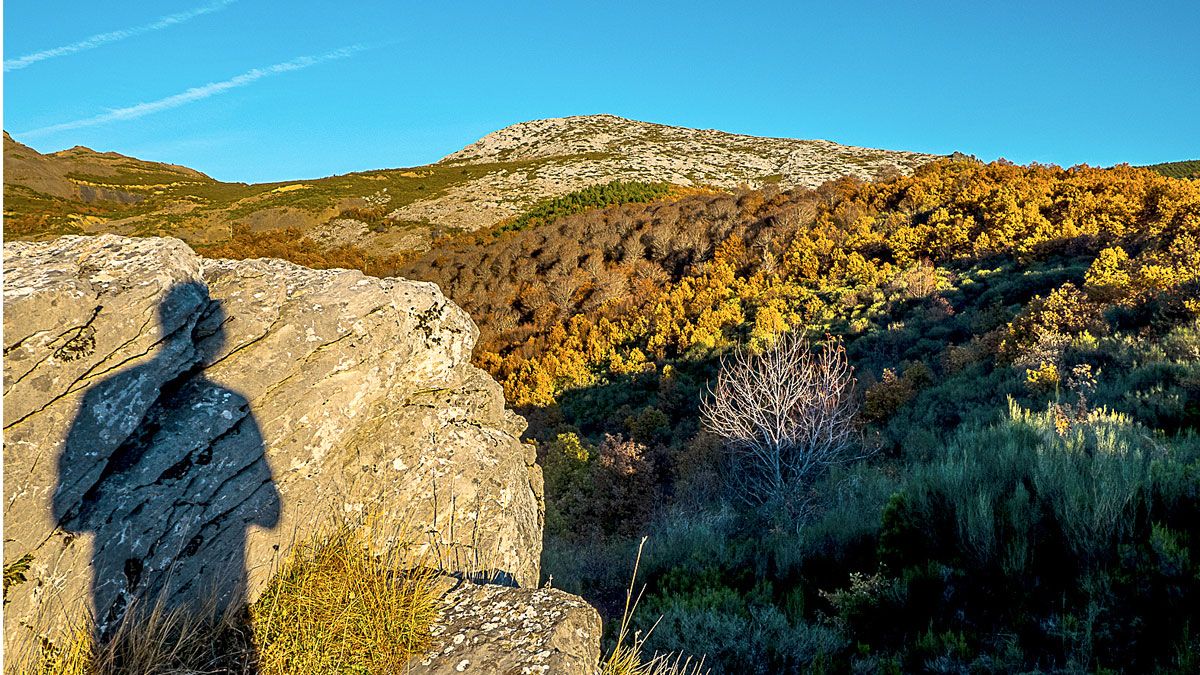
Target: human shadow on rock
[{"x": 168, "y": 479}]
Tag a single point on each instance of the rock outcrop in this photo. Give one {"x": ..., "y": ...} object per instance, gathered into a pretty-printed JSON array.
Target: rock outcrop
[
  {"x": 497, "y": 629},
  {"x": 172, "y": 421}
]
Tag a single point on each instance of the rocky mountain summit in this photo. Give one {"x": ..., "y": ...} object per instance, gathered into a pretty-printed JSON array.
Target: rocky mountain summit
[
  {"x": 555, "y": 156},
  {"x": 79, "y": 191},
  {"x": 684, "y": 156},
  {"x": 173, "y": 423}
]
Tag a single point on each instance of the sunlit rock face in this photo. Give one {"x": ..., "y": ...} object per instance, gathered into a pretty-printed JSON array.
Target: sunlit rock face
[{"x": 172, "y": 423}]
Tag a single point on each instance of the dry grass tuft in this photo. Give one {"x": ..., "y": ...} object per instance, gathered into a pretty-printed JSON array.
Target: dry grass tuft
[
  {"x": 337, "y": 607},
  {"x": 152, "y": 640},
  {"x": 332, "y": 607}
]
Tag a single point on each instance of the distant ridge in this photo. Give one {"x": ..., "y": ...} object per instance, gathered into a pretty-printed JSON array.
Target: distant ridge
[
  {"x": 81, "y": 191},
  {"x": 1185, "y": 169}
]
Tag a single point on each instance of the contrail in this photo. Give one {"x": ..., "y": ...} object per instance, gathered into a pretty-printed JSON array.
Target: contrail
[
  {"x": 197, "y": 93},
  {"x": 115, "y": 36}
]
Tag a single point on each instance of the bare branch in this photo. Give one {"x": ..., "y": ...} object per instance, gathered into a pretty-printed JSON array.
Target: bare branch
[{"x": 786, "y": 415}]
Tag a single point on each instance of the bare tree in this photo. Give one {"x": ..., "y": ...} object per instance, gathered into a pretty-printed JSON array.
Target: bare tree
[{"x": 786, "y": 414}]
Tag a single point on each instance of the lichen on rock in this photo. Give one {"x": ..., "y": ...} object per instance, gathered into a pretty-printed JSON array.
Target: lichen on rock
[{"x": 497, "y": 629}]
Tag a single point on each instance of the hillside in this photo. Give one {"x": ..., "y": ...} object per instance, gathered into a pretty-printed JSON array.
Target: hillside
[
  {"x": 1186, "y": 169},
  {"x": 78, "y": 188},
  {"x": 388, "y": 211},
  {"x": 1015, "y": 357},
  {"x": 565, "y": 154},
  {"x": 64, "y": 173},
  {"x": 1026, "y": 349}
]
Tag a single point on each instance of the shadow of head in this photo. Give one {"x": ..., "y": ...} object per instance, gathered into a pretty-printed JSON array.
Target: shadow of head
[{"x": 181, "y": 306}]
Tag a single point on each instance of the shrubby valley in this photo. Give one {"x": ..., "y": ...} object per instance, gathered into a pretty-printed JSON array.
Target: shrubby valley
[{"x": 1014, "y": 355}]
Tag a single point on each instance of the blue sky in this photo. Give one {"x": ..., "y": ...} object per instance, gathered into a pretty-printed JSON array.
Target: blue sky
[{"x": 250, "y": 90}]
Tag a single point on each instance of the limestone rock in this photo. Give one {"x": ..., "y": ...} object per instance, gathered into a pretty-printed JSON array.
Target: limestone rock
[
  {"x": 173, "y": 423},
  {"x": 497, "y": 629}
]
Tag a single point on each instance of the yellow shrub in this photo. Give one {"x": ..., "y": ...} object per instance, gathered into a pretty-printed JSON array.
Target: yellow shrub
[
  {"x": 1107, "y": 278},
  {"x": 1043, "y": 378}
]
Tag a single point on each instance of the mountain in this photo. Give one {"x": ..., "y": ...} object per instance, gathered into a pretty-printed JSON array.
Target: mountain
[
  {"x": 66, "y": 173},
  {"x": 556, "y": 156},
  {"x": 499, "y": 177},
  {"x": 1005, "y": 364}
]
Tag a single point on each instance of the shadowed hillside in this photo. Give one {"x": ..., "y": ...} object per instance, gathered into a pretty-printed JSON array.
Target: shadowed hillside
[{"x": 1024, "y": 344}]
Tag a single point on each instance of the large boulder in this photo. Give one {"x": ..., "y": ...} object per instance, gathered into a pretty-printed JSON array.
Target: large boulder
[{"x": 172, "y": 423}]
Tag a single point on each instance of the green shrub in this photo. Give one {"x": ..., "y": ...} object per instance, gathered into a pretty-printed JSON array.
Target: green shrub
[
  {"x": 1076, "y": 518},
  {"x": 595, "y": 196}
]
